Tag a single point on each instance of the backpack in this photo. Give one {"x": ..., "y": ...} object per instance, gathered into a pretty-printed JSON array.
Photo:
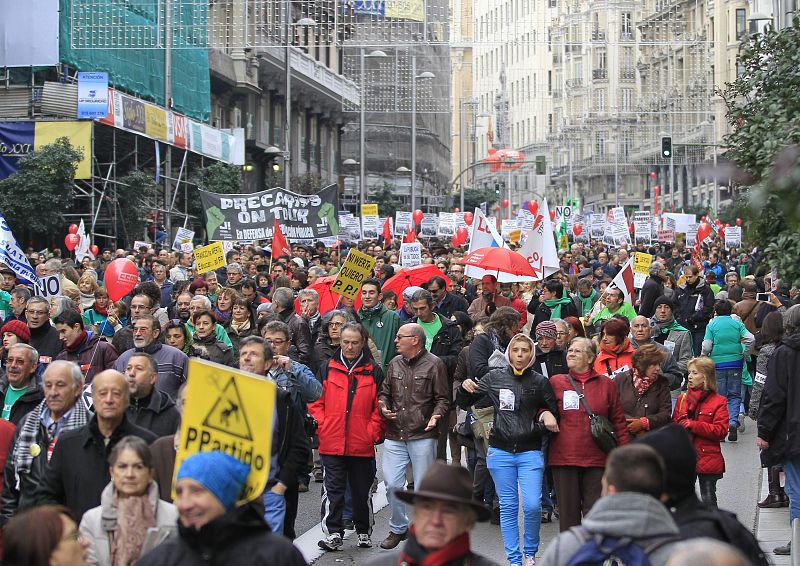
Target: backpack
[{"x": 597, "y": 549}]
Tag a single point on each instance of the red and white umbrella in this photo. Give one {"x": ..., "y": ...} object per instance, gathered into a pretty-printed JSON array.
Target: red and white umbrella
[{"x": 496, "y": 261}]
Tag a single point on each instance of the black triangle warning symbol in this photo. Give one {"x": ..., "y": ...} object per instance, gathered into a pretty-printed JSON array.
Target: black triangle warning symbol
[{"x": 227, "y": 415}]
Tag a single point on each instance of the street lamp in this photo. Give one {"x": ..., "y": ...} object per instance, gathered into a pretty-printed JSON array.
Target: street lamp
[
  {"x": 287, "y": 113},
  {"x": 414, "y": 77},
  {"x": 363, "y": 122}
]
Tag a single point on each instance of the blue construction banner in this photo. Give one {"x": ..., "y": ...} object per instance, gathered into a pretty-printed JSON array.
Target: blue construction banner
[
  {"x": 20, "y": 139},
  {"x": 16, "y": 141},
  {"x": 92, "y": 95},
  {"x": 370, "y": 7}
]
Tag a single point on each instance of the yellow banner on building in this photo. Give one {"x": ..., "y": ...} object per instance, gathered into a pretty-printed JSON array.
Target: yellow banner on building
[
  {"x": 155, "y": 122},
  {"x": 406, "y": 9},
  {"x": 356, "y": 268},
  {"x": 209, "y": 258},
  {"x": 229, "y": 411},
  {"x": 79, "y": 135}
]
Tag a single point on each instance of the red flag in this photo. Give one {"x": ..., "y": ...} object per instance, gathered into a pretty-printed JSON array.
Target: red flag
[
  {"x": 387, "y": 234},
  {"x": 411, "y": 236},
  {"x": 624, "y": 281},
  {"x": 279, "y": 244}
]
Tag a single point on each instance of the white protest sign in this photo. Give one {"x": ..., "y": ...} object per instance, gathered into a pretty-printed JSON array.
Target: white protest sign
[
  {"x": 410, "y": 254},
  {"x": 429, "y": 224},
  {"x": 350, "y": 228},
  {"x": 369, "y": 227},
  {"x": 733, "y": 237},
  {"x": 506, "y": 226},
  {"x": 182, "y": 236},
  {"x": 402, "y": 220},
  {"x": 447, "y": 224},
  {"x": 47, "y": 287},
  {"x": 643, "y": 227}
]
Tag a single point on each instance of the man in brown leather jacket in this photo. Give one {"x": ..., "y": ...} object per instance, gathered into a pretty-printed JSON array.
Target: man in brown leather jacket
[{"x": 413, "y": 398}]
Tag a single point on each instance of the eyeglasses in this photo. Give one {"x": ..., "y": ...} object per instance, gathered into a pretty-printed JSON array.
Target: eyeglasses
[
  {"x": 399, "y": 336},
  {"x": 336, "y": 324},
  {"x": 275, "y": 341},
  {"x": 36, "y": 313},
  {"x": 561, "y": 333}
]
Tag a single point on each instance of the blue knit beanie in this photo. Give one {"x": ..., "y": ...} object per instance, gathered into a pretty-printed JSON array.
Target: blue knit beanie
[{"x": 219, "y": 473}]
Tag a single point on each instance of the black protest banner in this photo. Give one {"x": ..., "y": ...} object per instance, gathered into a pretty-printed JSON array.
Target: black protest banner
[{"x": 250, "y": 217}]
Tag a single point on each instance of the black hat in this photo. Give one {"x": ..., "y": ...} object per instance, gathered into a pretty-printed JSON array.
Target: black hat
[
  {"x": 585, "y": 272},
  {"x": 444, "y": 482},
  {"x": 672, "y": 442},
  {"x": 664, "y": 300}
]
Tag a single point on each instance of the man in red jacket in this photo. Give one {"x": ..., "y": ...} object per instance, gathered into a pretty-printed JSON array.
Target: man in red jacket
[{"x": 349, "y": 426}]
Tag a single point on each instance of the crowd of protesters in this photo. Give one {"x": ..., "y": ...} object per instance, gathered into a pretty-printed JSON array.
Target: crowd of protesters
[{"x": 537, "y": 387}]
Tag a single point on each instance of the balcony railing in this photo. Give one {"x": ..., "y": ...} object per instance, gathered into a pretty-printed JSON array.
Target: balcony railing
[
  {"x": 599, "y": 74},
  {"x": 627, "y": 74}
]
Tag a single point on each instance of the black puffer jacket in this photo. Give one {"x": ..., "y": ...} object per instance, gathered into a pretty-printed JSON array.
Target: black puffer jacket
[
  {"x": 240, "y": 536},
  {"x": 695, "y": 306},
  {"x": 779, "y": 414},
  {"x": 517, "y": 402}
]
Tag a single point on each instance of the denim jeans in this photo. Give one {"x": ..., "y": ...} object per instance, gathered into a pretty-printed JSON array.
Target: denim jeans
[
  {"x": 515, "y": 475},
  {"x": 397, "y": 455},
  {"x": 274, "y": 510},
  {"x": 791, "y": 469},
  {"x": 729, "y": 384}
]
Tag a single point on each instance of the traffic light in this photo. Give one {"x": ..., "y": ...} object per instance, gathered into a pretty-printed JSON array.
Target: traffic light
[
  {"x": 666, "y": 147},
  {"x": 541, "y": 165},
  {"x": 497, "y": 189}
]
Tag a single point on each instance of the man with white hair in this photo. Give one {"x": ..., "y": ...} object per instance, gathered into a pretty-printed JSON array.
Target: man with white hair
[
  {"x": 20, "y": 389},
  {"x": 235, "y": 274},
  {"x": 38, "y": 434},
  {"x": 309, "y": 310},
  {"x": 303, "y": 347}
]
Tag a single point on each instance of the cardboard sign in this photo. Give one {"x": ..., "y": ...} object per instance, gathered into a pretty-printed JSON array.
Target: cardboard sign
[
  {"x": 666, "y": 236},
  {"x": 47, "y": 287},
  {"x": 430, "y": 225},
  {"x": 643, "y": 227},
  {"x": 641, "y": 268},
  {"x": 138, "y": 244},
  {"x": 447, "y": 224},
  {"x": 410, "y": 254},
  {"x": 402, "y": 220},
  {"x": 369, "y": 209},
  {"x": 230, "y": 411},
  {"x": 210, "y": 257},
  {"x": 182, "y": 236},
  {"x": 370, "y": 225},
  {"x": 355, "y": 269}
]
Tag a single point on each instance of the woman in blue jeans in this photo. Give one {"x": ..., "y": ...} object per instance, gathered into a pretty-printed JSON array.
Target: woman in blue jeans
[
  {"x": 524, "y": 408},
  {"x": 726, "y": 341}
]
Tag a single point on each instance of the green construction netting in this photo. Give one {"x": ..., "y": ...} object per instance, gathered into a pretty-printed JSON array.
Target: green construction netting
[{"x": 136, "y": 66}]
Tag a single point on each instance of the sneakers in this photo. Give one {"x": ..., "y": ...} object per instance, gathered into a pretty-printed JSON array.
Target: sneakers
[
  {"x": 364, "y": 541},
  {"x": 741, "y": 423},
  {"x": 318, "y": 477},
  {"x": 393, "y": 540},
  {"x": 331, "y": 542},
  {"x": 529, "y": 561},
  {"x": 733, "y": 434},
  {"x": 785, "y": 550}
]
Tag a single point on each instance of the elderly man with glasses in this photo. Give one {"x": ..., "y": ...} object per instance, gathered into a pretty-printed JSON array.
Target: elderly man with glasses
[{"x": 44, "y": 336}]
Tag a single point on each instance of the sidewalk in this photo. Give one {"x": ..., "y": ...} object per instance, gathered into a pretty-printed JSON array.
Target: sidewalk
[{"x": 772, "y": 528}]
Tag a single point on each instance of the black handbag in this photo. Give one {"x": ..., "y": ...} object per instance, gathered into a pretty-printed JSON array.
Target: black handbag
[{"x": 602, "y": 431}]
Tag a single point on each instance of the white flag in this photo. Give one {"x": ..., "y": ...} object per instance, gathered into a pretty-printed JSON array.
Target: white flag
[
  {"x": 624, "y": 281},
  {"x": 82, "y": 249},
  {"x": 12, "y": 255},
  {"x": 540, "y": 247}
]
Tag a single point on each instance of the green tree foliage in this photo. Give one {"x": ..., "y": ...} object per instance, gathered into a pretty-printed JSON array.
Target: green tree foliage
[
  {"x": 35, "y": 198},
  {"x": 475, "y": 196},
  {"x": 764, "y": 111},
  {"x": 220, "y": 178},
  {"x": 388, "y": 203},
  {"x": 136, "y": 193}
]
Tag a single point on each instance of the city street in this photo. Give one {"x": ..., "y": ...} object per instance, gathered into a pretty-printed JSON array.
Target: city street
[{"x": 737, "y": 492}]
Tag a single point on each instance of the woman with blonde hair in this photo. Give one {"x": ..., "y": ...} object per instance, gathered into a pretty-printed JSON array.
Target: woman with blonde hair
[
  {"x": 704, "y": 413},
  {"x": 87, "y": 285}
]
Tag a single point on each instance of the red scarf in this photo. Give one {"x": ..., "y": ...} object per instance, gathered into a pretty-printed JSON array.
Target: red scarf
[
  {"x": 694, "y": 398},
  {"x": 415, "y": 555},
  {"x": 641, "y": 383},
  {"x": 582, "y": 377},
  {"x": 75, "y": 346},
  {"x": 100, "y": 310}
]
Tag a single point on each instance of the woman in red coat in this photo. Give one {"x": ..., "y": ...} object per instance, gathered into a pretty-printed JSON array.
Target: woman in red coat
[
  {"x": 704, "y": 413},
  {"x": 575, "y": 459},
  {"x": 616, "y": 352}
]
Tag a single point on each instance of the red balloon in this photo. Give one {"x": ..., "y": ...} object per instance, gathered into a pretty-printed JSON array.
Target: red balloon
[
  {"x": 703, "y": 231},
  {"x": 577, "y": 229},
  {"x": 468, "y": 217},
  {"x": 505, "y": 203},
  {"x": 71, "y": 241},
  {"x": 462, "y": 234},
  {"x": 533, "y": 206},
  {"x": 73, "y": 229},
  {"x": 738, "y": 221},
  {"x": 120, "y": 278},
  {"x": 417, "y": 216},
  {"x": 94, "y": 249},
  {"x": 552, "y": 215},
  {"x": 497, "y": 207},
  {"x": 455, "y": 241},
  {"x": 652, "y": 174}
]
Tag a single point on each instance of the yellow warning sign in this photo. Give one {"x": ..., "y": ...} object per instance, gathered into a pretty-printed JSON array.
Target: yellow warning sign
[{"x": 230, "y": 411}]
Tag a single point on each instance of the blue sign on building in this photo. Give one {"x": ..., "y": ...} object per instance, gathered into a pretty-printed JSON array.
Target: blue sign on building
[
  {"x": 92, "y": 95},
  {"x": 370, "y": 7}
]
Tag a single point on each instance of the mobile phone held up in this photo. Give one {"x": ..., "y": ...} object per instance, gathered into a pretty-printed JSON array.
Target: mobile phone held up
[{"x": 763, "y": 297}]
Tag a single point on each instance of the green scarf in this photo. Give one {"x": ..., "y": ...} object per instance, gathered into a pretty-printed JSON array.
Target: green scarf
[
  {"x": 555, "y": 306},
  {"x": 587, "y": 302},
  {"x": 672, "y": 324}
]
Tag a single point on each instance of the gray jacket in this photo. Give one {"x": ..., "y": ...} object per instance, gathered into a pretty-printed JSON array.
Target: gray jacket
[{"x": 626, "y": 514}]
